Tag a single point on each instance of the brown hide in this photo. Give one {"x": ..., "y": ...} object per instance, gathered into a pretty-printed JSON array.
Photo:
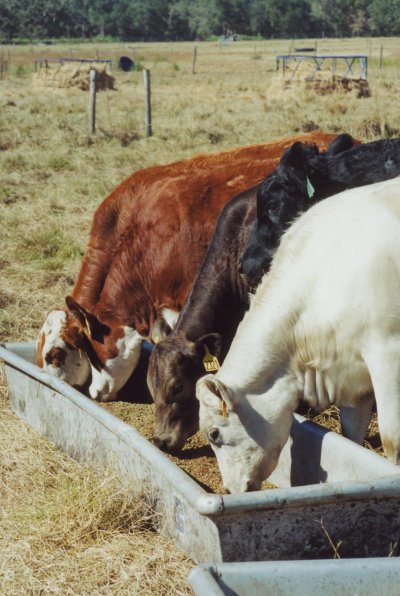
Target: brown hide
[{"x": 150, "y": 234}]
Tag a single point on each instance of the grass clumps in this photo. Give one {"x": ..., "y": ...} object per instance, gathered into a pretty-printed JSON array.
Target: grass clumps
[{"x": 53, "y": 248}]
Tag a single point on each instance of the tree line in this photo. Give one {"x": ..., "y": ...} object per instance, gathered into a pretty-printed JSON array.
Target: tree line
[{"x": 196, "y": 19}]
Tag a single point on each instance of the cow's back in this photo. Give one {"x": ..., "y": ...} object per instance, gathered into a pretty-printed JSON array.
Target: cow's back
[
  {"x": 163, "y": 214},
  {"x": 167, "y": 192}
]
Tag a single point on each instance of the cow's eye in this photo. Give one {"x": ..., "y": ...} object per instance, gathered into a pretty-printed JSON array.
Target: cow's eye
[
  {"x": 176, "y": 390},
  {"x": 214, "y": 435}
]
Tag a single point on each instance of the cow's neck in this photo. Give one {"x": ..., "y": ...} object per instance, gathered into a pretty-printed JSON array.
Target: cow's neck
[{"x": 219, "y": 296}]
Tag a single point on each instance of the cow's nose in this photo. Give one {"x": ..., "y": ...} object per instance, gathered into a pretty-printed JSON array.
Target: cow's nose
[{"x": 161, "y": 443}]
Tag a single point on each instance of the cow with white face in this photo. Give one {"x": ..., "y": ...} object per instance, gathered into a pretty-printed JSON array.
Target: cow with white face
[
  {"x": 56, "y": 352},
  {"x": 75, "y": 346},
  {"x": 324, "y": 325}
]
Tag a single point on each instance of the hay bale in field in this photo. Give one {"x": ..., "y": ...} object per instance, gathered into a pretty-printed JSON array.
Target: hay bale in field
[
  {"x": 345, "y": 85},
  {"x": 324, "y": 84},
  {"x": 322, "y": 80},
  {"x": 75, "y": 75}
]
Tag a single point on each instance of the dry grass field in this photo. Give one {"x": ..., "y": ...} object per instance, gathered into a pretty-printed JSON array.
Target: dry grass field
[{"x": 65, "y": 528}]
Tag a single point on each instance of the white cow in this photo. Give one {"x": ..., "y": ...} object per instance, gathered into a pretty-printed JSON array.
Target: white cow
[{"x": 324, "y": 325}]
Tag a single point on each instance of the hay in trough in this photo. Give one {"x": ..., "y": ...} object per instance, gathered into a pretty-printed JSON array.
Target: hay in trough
[
  {"x": 196, "y": 458},
  {"x": 75, "y": 75}
]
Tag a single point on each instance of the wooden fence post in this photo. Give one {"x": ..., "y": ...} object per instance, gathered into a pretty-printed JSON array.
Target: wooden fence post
[
  {"x": 92, "y": 101},
  {"x": 146, "y": 78},
  {"x": 194, "y": 60},
  {"x": 381, "y": 57}
]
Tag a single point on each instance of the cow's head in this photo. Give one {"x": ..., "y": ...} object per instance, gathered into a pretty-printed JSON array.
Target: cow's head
[
  {"x": 57, "y": 354},
  {"x": 175, "y": 365},
  {"x": 77, "y": 347},
  {"x": 283, "y": 194},
  {"x": 246, "y": 433},
  {"x": 112, "y": 350}
]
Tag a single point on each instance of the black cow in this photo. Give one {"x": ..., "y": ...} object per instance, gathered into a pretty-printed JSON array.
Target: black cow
[{"x": 303, "y": 177}]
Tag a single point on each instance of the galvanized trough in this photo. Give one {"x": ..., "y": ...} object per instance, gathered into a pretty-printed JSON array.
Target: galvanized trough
[
  {"x": 341, "y": 577},
  {"x": 328, "y": 485}
]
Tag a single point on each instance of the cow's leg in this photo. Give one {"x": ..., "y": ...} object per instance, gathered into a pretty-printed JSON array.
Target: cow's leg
[
  {"x": 355, "y": 420},
  {"x": 384, "y": 367}
]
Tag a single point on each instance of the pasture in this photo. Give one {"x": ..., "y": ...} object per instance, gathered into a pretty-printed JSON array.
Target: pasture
[{"x": 64, "y": 528}]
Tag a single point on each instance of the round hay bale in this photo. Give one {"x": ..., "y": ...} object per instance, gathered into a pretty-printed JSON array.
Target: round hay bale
[
  {"x": 125, "y": 63},
  {"x": 76, "y": 75}
]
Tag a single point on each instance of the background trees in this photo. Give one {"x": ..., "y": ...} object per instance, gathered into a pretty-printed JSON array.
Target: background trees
[{"x": 196, "y": 19}]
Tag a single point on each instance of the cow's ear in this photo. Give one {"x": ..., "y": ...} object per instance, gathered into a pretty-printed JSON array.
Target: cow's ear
[
  {"x": 215, "y": 394},
  {"x": 86, "y": 322},
  {"x": 341, "y": 143},
  {"x": 212, "y": 342},
  {"x": 294, "y": 161},
  {"x": 160, "y": 330}
]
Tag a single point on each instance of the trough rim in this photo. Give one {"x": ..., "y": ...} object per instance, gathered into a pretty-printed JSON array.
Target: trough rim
[
  {"x": 207, "y": 504},
  {"x": 204, "y": 577}
]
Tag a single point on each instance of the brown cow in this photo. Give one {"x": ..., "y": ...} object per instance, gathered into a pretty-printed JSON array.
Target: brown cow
[{"x": 147, "y": 240}]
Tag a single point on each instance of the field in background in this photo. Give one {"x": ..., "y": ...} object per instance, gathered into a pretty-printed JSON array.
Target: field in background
[{"x": 65, "y": 529}]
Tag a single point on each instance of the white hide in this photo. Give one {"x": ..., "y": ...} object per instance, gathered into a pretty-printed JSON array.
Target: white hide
[
  {"x": 76, "y": 368},
  {"x": 324, "y": 324},
  {"x": 116, "y": 371}
]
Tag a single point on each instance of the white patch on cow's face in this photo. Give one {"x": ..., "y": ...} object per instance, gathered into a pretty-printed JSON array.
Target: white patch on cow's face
[
  {"x": 248, "y": 440},
  {"x": 112, "y": 377},
  {"x": 57, "y": 358}
]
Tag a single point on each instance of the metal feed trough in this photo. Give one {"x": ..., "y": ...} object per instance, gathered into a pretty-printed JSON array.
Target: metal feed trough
[
  {"x": 342, "y": 577},
  {"x": 347, "y": 61},
  {"x": 350, "y": 494}
]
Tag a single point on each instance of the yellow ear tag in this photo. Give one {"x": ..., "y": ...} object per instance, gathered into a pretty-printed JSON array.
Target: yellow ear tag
[
  {"x": 210, "y": 362},
  {"x": 224, "y": 410},
  {"x": 156, "y": 339},
  {"x": 88, "y": 327}
]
